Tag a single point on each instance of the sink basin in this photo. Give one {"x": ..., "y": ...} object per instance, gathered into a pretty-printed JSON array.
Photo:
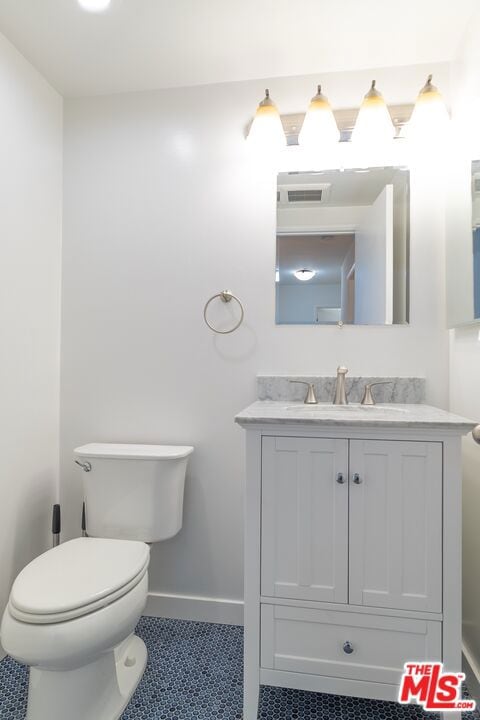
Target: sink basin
[{"x": 355, "y": 408}]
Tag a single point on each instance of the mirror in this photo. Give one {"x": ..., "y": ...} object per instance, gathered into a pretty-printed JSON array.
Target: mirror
[
  {"x": 343, "y": 247},
  {"x": 463, "y": 245},
  {"x": 476, "y": 237}
]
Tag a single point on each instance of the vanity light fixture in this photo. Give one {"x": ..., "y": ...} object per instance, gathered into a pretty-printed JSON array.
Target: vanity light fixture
[
  {"x": 374, "y": 124},
  {"x": 266, "y": 130},
  {"x": 94, "y": 6},
  {"x": 319, "y": 127},
  {"x": 277, "y": 275},
  {"x": 304, "y": 274},
  {"x": 430, "y": 116}
]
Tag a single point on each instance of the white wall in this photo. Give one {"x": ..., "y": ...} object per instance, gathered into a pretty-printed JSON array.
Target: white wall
[
  {"x": 325, "y": 219},
  {"x": 374, "y": 262},
  {"x": 30, "y": 248},
  {"x": 163, "y": 207},
  {"x": 465, "y": 342}
]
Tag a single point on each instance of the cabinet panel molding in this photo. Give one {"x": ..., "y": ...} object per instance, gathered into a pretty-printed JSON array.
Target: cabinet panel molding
[
  {"x": 305, "y": 518},
  {"x": 396, "y": 525}
]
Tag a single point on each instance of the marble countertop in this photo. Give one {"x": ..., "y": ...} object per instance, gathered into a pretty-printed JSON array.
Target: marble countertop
[{"x": 286, "y": 412}]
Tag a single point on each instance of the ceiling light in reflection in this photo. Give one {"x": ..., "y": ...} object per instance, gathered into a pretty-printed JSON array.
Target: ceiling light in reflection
[
  {"x": 304, "y": 274},
  {"x": 94, "y": 6}
]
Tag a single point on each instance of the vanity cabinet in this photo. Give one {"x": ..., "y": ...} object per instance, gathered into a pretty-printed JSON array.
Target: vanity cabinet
[
  {"x": 352, "y": 552},
  {"x": 352, "y": 521}
]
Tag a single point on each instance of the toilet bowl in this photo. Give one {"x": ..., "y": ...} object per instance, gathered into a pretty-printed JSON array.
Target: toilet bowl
[
  {"x": 71, "y": 617},
  {"x": 72, "y": 611}
]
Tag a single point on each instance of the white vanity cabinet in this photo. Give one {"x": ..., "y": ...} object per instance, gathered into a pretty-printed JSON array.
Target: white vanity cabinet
[
  {"x": 352, "y": 521},
  {"x": 352, "y": 550}
]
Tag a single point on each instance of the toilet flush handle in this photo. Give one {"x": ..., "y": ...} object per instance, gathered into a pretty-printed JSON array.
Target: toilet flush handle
[{"x": 86, "y": 467}]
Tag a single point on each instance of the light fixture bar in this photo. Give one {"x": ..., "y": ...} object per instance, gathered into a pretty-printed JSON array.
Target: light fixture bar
[{"x": 345, "y": 118}]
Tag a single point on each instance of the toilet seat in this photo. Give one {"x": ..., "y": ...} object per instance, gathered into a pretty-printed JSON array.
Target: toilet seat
[{"x": 77, "y": 578}]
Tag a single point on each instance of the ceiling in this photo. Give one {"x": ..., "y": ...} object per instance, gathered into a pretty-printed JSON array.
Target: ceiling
[
  {"x": 147, "y": 44},
  {"x": 346, "y": 188}
]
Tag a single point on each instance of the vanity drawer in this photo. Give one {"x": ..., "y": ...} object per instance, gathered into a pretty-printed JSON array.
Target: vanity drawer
[{"x": 313, "y": 641}]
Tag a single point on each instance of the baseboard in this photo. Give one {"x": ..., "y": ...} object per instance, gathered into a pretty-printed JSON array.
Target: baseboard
[
  {"x": 191, "y": 607},
  {"x": 472, "y": 674}
]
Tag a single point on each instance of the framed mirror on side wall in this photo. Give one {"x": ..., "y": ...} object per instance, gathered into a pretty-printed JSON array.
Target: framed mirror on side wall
[
  {"x": 343, "y": 247},
  {"x": 463, "y": 246}
]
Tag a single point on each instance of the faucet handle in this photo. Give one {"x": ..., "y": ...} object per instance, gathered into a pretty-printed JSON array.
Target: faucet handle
[
  {"x": 310, "y": 398},
  {"x": 368, "y": 398}
]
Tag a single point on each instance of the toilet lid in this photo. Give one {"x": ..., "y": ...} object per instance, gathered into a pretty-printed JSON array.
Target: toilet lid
[
  {"x": 134, "y": 452},
  {"x": 78, "y": 574}
]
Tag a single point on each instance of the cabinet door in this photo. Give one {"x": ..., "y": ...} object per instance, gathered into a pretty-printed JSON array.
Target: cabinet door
[
  {"x": 305, "y": 518},
  {"x": 396, "y": 524}
]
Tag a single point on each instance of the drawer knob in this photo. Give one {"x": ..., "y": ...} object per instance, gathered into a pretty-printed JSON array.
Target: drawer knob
[
  {"x": 357, "y": 479},
  {"x": 348, "y": 648},
  {"x": 340, "y": 479}
]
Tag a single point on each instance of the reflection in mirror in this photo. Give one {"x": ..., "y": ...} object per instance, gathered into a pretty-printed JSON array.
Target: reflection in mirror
[
  {"x": 343, "y": 247},
  {"x": 463, "y": 245},
  {"x": 476, "y": 237}
]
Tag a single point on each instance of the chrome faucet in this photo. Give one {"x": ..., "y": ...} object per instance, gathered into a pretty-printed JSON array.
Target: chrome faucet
[
  {"x": 340, "y": 393},
  {"x": 368, "y": 398},
  {"x": 310, "y": 397}
]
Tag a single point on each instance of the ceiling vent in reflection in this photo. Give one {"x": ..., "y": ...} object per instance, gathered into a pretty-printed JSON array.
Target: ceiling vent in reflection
[{"x": 303, "y": 194}]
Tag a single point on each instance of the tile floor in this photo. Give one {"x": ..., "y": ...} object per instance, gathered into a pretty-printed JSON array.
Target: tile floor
[{"x": 195, "y": 673}]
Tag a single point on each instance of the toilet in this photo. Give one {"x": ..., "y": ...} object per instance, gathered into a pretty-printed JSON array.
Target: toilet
[{"x": 72, "y": 611}]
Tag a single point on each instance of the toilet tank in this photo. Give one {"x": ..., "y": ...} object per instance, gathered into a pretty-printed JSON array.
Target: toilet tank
[{"x": 133, "y": 492}]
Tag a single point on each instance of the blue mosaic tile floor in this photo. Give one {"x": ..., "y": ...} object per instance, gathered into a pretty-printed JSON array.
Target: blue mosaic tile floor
[{"x": 194, "y": 672}]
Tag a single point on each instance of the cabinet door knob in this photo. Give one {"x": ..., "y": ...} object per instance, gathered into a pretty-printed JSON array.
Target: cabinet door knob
[
  {"x": 340, "y": 479},
  {"x": 348, "y": 648},
  {"x": 357, "y": 479}
]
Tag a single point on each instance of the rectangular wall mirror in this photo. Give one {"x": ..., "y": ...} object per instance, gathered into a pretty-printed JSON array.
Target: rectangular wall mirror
[
  {"x": 343, "y": 247},
  {"x": 463, "y": 246},
  {"x": 476, "y": 238}
]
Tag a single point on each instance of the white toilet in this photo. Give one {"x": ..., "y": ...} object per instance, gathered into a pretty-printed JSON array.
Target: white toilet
[{"x": 73, "y": 610}]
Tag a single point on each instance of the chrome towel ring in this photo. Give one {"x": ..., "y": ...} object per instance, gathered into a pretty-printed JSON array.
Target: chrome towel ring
[{"x": 225, "y": 296}]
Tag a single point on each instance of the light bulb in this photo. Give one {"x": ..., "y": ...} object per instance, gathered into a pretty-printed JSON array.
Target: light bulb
[
  {"x": 430, "y": 119},
  {"x": 266, "y": 132},
  {"x": 374, "y": 125},
  {"x": 94, "y": 6},
  {"x": 304, "y": 274},
  {"x": 319, "y": 129}
]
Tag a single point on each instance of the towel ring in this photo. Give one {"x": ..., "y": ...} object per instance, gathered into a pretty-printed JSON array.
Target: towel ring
[{"x": 225, "y": 296}]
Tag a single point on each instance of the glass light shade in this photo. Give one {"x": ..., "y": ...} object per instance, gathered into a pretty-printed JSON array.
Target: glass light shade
[
  {"x": 374, "y": 125},
  {"x": 319, "y": 129},
  {"x": 266, "y": 132},
  {"x": 95, "y": 6},
  {"x": 430, "y": 118},
  {"x": 304, "y": 274}
]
